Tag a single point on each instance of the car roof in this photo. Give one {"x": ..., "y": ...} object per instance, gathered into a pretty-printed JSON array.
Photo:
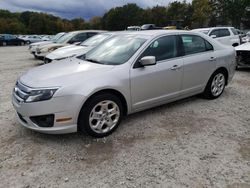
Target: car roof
[
  {"x": 209, "y": 28},
  {"x": 152, "y": 33},
  {"x": 88, "y": 31}
]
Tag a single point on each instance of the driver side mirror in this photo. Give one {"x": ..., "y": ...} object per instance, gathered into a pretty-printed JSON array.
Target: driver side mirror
[
  {"x": 148, "y": 61},
  {"x": 213, "y": 36}
]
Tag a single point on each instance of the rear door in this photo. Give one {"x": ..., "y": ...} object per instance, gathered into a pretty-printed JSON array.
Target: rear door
[
  {"x": 152, "y": 85},
  {"x": 199, "y": 62}
]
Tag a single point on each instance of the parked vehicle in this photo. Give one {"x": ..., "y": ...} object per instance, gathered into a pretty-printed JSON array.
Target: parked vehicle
[
  {"x": 246, "y": 38},
  {"x": 32, "y": 38},
  {"x": 225, "y": 35},
  {"x": 243, "y": 55},
  {"x": 34, "y": 46},
  {"x": 241, "y": 34},
  {"x": 74, "y": 50},
  {"x": 75, "y": 37},
  {"x": 149, "y": 27},
  {"x": 125, "y": 74},
  {"x": 133, "y": 28},
  {"x": 8, "y": 39},
  {"x": 46, "y": 37}
]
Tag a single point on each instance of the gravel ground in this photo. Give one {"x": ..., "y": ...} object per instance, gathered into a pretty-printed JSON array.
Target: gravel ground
[{"x": 190, "y": 143}]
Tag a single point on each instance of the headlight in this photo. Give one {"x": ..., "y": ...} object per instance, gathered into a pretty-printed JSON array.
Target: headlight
[
  {"x": 40, "y": 95},
  {"x": 51, "y": 49},
  {"x": 43, "y": 50}
]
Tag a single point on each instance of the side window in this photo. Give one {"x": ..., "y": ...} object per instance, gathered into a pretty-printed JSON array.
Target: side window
[
  {"x": 215, "y": 33},
  {"x": 162, "y": 48},
  {"x": 91, "y": 34},
  {"x": 80, "y": 37},
  {"x": 224, "y": 33},
  {"x": 193, "y": 44}
]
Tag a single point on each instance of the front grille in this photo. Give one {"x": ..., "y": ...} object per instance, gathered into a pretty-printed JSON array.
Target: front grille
[
  {"x": 21, "y": 92},
  {"x": 243, "y": 57}
]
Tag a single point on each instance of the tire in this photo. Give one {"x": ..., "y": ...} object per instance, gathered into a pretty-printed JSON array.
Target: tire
[
  {"x": 22, "y": 43},
  {"x": 215, "y": 85},
  {"x": 97, "y": 111},
  {"x": 4, "y": 44}
]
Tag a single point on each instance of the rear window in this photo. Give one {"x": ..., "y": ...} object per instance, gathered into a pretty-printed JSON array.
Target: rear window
[{"x": 194, "y": 44}]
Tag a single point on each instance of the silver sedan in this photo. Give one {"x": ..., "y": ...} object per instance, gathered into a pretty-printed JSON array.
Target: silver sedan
[{"x": 127, "y": 73}]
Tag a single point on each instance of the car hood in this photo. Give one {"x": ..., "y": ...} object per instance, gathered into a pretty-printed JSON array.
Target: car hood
[
  {"x": 40, "y": 43},
  {"x": 51, "y": 45},
  {"x": 63, "y": 73},
  {"x": 243, "y": 47},
  {"x": 67, "y": 51}
]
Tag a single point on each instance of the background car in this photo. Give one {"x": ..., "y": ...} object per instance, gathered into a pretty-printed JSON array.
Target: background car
[
  {"x": 243, "y": 55},
  {"x": 74, "y": 50},
  {"x": 32, "y": 38},
  {"x": 149, "y": 27},
  {"x": 34, "y": 46},
  {"x": 127, "y": 73},
  {"x": 133, "y": 28},
  {"x": 225, "y": 35},
  {"x": 74, "y": 37},
  {"x": 8, "y": 39}
]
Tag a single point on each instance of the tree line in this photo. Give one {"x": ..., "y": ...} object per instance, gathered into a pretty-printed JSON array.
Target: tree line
[{"x": 198, "y": 13}]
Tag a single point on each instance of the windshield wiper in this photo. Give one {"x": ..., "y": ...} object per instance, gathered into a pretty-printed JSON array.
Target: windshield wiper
[{"x": 93, "y": 61}]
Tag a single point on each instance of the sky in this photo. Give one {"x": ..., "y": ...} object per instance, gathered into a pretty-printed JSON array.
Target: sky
[{"x": 74, "y": 8}]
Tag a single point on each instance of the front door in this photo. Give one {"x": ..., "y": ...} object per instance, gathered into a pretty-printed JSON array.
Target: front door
[{"x": 156, "y": 84}]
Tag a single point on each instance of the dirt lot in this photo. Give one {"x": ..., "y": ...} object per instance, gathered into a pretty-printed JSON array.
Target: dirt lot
[{"x": 190, "y": 143}]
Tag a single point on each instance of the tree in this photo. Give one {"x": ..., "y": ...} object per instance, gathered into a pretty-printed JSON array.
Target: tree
[
  {"x": 202, "y": 12},
  {"x": 181, "y": 11},
  {"x": 95, "y": 22},
  {"x": 120, "y": 17}
]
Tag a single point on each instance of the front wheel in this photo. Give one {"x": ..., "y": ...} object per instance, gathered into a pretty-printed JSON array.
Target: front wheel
[
  {"x": 215, "y": 85},
  {"x": 101, "y": 115}
]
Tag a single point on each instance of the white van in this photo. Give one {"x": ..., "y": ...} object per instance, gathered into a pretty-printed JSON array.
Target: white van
[{"x": 225, "y": 35}]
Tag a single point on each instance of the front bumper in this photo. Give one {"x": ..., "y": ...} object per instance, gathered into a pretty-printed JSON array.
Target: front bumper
[
  {"x": 60, "y": 107},
  {"x": 243, "y": 58}
]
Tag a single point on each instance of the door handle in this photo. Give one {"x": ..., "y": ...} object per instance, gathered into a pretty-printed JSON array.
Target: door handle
[
  {"x": 212, "y": 59},
  {"x": 175, "y": 67}
]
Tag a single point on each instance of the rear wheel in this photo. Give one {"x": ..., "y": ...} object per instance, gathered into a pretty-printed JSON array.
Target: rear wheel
[
  {"x": 4, "y": 44},
  {"x": 22, "y": 43},
  {"x": 215, "y": 85},
  {"x": 101, "y": 115}
]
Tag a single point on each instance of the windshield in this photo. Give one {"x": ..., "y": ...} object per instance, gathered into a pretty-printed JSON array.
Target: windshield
[
  {"x": 116, "y": 50},
  {"x": 57, "y": 36},
  {"x": 65, "y": 38},
  {"x": 95, "y": 40}
]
